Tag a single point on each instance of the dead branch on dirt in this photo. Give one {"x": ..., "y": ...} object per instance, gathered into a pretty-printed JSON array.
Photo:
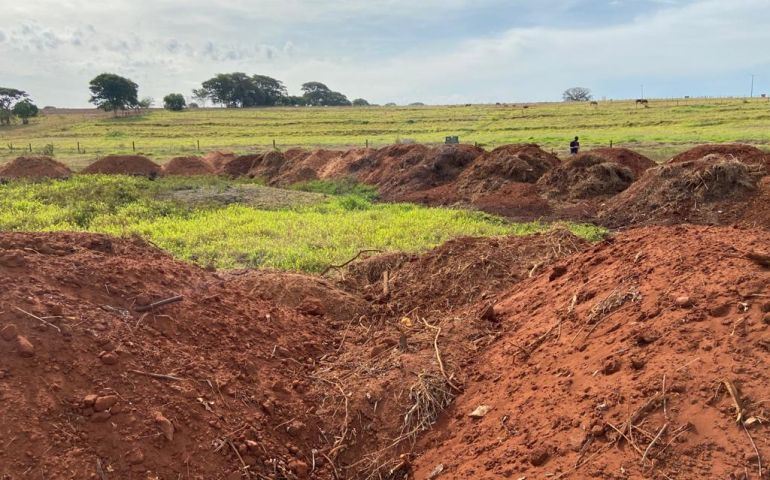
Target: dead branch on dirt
[
  {"x": 429, "y": 397},
  {"x": 41, "y": 320},
  {"x": 438, "y": 354},
  {"x": 339, "y": 443},
  {"x": 159, "y": 376},
  {"x": 733, "y": 391},
  {"x": 654, "y": 441},
  {"x": 100, "y": 469},
  {"x": 159, "y": 303},
  {"x": 360, "y": 252},
  {"x": 756, "y": 451},
  {"x": 530, "y": 349}
]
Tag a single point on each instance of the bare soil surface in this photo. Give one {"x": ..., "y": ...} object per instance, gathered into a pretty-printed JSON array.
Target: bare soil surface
[
  {"x": 188, "y": 166},
  {"x": 631, "y": 359},
  {"x": 125, "y": 165},
  {"x": 34, "y": 168}
]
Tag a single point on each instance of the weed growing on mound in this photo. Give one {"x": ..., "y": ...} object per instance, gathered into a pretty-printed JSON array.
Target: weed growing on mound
[{"x": 301, "y": 238}]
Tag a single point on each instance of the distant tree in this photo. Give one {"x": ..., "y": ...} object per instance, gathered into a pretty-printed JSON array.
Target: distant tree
[
  {"x": 318, "y": 94},
  {"x": 174, "y": 102},
  {"x": 391, "y": 104},
  {"x": 200, "y": 95},
  {"x": 145, "y": 103},
  {"x": 112, "y": 92},
  {"x": 416, "y": 104},
  {"x": 577, "y": 94},
  {"x": 25, "y": 109},
  {"x": 240, "y": 90},
  {"x": 360, "y": 102},
  {"x": 193, "y": 105},
  {"x": 293, "y": 101},
  {"x": 9, "y": 96}
]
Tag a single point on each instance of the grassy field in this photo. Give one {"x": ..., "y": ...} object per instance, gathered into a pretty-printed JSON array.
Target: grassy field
[
  {"x": 216, "y": 222},
  {"x": 665, "y": 128}
]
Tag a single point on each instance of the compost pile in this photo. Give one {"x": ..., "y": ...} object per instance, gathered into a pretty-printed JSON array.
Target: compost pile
[
  {"x": 711, "y": 190},
  {"x": 214, "y": 384},
  {"x": 735, "y": 151},
  {"x": 636, "y": 162},
  {"x": 35, "y": 168},
  {"x": 631, "y": 359},
  {"x": 188, "y": 166},
  {"x": 125, "y": 165},
  {"x": 503, "y": 165},
  {"x": 584, "y": 177}
]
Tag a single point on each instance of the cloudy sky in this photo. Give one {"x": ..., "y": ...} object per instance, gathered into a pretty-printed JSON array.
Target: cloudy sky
[{"x": 434, "y": 51}]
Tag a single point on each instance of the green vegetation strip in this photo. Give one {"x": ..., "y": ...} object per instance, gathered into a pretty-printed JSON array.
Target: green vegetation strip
[{"x": 284, "y": 235}]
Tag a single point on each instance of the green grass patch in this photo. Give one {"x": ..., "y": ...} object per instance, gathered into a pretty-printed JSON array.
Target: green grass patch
[
  {"x": 343, "y": 186},
  {"x": 303, "y": 237}
]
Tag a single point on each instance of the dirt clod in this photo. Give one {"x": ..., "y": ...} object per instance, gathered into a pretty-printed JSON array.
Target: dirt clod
[
  {"x": 165, "y": 426},
  {"x": 105, "y": 403},
  {"x": 9, "y": 332},
  {"x": 24, "y": 346}
]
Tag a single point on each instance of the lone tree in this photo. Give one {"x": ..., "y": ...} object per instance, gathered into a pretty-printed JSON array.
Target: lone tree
[
  {"x": 318, "y": 94},
  {"x": 112, "y": 92},
  {"x": 360, "y": 102},
  {"x": 174, "y": 102},
  {"x": 240, "y": 90},
  {"x": 577, "y": 94},
  {"x": 9, "y": 96},
  {"x": 25, "y": 109}
]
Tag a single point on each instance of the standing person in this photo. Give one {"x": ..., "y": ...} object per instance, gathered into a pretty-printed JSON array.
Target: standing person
[{"x": 574, "y": 146}]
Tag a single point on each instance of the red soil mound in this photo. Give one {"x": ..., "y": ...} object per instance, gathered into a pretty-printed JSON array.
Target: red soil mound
[
  {"x": 737, "y": 151},
  {"x": 35, "y": 168},
  {"x": 757, "y": 211},
  {"x": 268, "y": 166},
  {"x": 585, "y": 176},
  {"x": 188, "y": 166},
  {"x": 619, "y": 362},
  {"x": 241, "y": 165},
  {"x": 344, "y": 164},
  {"x": 709, "y": 190},
  {"x": 521, "y": 201},
  {"x": 125, "y": 165},
  {"x": 217, "y": 159},
  {"x": 636, "y": 162},
  {"x": 401, "y": 170},
  {"x": 77, "y": 354},
  {"x": 303, "y": 165},
  {"x": 387, "y": 360},
  {"x": 509, "y": 163}
]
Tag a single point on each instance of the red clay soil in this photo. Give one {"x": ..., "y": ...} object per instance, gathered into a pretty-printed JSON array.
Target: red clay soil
[
  {"x": 745, "y": 153},
  {"x": 343, "y": 165},
  {"x": 711, "y": 190},
  {"x": 268, "y": 166},
  {"x": 34, "y": 168},
  {"x": 757, "y": 210},
  {"x": 584, "y": 177},
  {"x": 124, "y": 165},
  {"x": 303, "y": 166},
  {"x": 387, "y": 359},
  {"x": 218, "y": 158},
  {"x": 78, "y": 355},
  {"x": 241, "y": 165},
  {"x": 524, "y": 163},
  {"x": 636, "y": 162},
  {"x": 188, "y": 166},
  {"x": 400, "y": 170},
  {"x": 621, "y": 362},
  {"x": 521, "y": 201}
]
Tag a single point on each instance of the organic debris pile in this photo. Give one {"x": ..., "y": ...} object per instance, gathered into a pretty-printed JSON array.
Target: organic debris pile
[
  {"x": 709, "y": 190},
  {"x": 130, "y": 364},
  {"x": 510, "y": 163},
  {"x": 736, "y": 151},
  {"x": 586, "y": 176},
  {"x": 636, "y": 162},
  {"x": 188, "y": 166},
  {"x": 125, "y": 165},
  {"x": 34, "y": 168},
  {"x": 629, "y": 360}
]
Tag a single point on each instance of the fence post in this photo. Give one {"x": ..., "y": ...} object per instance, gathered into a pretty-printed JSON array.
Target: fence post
[
  {"x": 30, "y": 148},
  {"x": 199, "y": 145},
  {"x": 78, "y": 147},
  {"x": 133, "y": 145},
  {"x": 273, "y": 144},
  {"x": 610, "y": 143}
]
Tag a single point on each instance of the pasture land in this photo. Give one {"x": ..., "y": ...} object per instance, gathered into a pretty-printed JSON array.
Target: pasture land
[
  {"x": 665, "y": 128},
  {"x": 225, "y": 224}
]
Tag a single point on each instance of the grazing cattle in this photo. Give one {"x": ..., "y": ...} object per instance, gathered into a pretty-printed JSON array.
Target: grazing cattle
[
  {"x": 595, "y": 103},
  {"x": 642, "y": 101}
]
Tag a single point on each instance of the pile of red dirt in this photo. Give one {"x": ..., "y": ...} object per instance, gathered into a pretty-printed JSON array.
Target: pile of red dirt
[
  {"x": 737, "y": 151},
  {"x": 636, "y": 162},
  {"x": 188, "y": 166},
  {"x": 344, "y": 164},
  {"x": 521, "y": 201},
  {"x": 268, "y": 166},
  {"x": 585, "y": 176},
  {"x": 757, "y": 210},
  {"x": 710, "y": 190},
  {"x": 401, "y": 170},
  {"x": 34, "y": 168},
  {"x": 218, "y": 158},
  {"x": 213, "y": 384},
  {"x": 510, "y": 163},
  {"x": 632, "y": 359},
  {"x": 303, "y": 165},
  {"x": 386, "y": 362},
  {"x": 125, "y": 165},
  {"x": 241, "y": 165}
]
